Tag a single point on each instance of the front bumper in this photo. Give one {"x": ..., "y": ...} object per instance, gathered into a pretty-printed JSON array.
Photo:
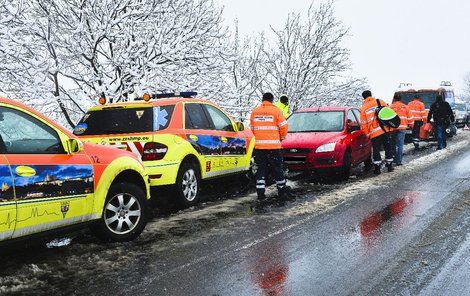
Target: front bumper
[{"x": 314, "y": 162}]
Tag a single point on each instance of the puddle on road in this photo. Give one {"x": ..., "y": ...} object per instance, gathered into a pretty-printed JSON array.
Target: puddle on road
[{"x": 372, "y": 224}]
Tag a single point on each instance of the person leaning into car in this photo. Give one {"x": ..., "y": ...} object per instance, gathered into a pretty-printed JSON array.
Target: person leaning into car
[
  {"x": 380, "y": 136},
  {"x": 269, "y": 127}
]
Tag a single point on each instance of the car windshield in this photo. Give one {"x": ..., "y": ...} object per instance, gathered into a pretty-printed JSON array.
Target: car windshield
[
  {"x": 124, "y": 120},
  {"x": 426, "y": 97},
  {"x": 316, "y": 122},
  {"x": 460, "y": 107}
]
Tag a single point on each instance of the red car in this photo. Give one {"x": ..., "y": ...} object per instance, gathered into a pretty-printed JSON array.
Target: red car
[{"x": 326, "y": 140}]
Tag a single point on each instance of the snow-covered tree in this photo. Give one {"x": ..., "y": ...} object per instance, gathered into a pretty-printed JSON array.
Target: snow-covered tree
[
  {"x": 243, "y": 83},
  {"x": 78, "y": 50},
  {"x": 309, "y": 60}
]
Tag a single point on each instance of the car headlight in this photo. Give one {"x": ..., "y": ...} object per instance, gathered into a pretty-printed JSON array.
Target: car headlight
[{"x": 326, "y": 147}]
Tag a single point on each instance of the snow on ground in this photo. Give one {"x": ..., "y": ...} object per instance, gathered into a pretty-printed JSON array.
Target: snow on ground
[
  {"x": 330, "y": 200},
  {"x": 336, "y": 194}
]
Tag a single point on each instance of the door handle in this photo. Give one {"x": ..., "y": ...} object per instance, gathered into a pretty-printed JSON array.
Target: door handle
[{"x": 25, "y": 171}]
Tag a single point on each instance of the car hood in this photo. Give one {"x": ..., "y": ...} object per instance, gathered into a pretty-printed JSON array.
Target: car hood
[{"x": 311, "y": 140}]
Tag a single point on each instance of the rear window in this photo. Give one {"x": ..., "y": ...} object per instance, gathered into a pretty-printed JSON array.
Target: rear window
[
  {"x": 124, "y": 120},
  {"x": 426, "y": 97}
]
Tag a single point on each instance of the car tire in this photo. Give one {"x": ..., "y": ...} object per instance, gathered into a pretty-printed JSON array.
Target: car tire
[
  {"x": 346, "y": 167},
  {"x": 188, "y": 184},
  {"x": 125, "y": 213}
]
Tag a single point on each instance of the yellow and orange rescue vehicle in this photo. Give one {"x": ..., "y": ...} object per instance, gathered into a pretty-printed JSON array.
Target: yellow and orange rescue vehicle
[
  {"x": 50, "y": 180},
  {"x": 181, "y": 140}
]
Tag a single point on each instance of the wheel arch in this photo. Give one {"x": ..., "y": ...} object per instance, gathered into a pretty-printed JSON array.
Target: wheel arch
[
  {"x": 191, "y": 158},
  {"x": 122, "y": 169}
]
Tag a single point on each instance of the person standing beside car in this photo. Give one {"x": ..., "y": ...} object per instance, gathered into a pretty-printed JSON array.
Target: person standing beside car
[
  {"x": 283, "y": 104},
  {"x": 406, "y": 120},
  {"x": 269, "y": 127},
  {"x": 442, "y": 116},
  {"x": 418, "y": 112},
  {"x": 380, "y": 136}
]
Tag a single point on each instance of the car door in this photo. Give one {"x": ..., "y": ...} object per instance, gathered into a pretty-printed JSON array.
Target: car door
[
  {"x": 233, "y": 144},
  {"x": 202, "y": 136},
  {"x": 7, "y": 199},
  {"x": 354, "y": 137},
  {"x": 364, "y": 141},
  {"x": 52, "y": 188}
]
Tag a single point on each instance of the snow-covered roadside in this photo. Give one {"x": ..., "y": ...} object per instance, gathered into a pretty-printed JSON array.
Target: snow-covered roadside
[
  {"x": 324, "y": 202},
  {"x": 332, "y": 199}
]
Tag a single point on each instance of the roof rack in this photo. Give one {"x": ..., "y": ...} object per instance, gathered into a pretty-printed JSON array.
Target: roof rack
[{"x": 183, "y": 94}]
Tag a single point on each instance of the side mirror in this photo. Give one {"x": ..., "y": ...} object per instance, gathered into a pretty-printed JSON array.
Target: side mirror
[
  {"x": 353, "y": 126},
  {"x": 240, "y": 126},
  {"x": 74, "y": 146}
]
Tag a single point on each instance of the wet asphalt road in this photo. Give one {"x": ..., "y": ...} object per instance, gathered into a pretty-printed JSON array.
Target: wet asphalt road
[{"x": 404, "y": 233}]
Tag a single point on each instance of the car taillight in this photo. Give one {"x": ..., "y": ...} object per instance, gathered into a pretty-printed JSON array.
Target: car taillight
[{"x": 154, "y": 151}]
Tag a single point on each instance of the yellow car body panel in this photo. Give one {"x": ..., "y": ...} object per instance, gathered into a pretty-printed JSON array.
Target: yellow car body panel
[{"x": 42, "y": 192}]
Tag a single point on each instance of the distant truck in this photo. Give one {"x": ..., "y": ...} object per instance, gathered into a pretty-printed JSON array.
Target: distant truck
[{"x": 428, "y": 96}]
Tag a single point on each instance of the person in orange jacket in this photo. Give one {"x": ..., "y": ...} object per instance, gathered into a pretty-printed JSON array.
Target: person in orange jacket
[
  {"x": 269, "y": 128},
  {"x": 380, "y": 136},
  {"x": 418, "y": 114},
  {"x": 406, "y": 120}
]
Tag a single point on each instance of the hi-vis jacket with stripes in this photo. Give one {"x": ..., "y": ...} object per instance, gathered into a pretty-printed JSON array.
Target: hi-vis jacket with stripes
[
  {"x": 269, "y": 126},
  {"x": 418, "y": 110},
  {"x": 369, "y": 123},
  {"x": 403, "y": 111}
]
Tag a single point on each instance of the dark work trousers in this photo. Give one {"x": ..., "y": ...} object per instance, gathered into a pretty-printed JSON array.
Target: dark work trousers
[
  {"x": 273, "y": 160},
  {"x": 416, "y": 128},
  {"x": 384, "y": 141}
]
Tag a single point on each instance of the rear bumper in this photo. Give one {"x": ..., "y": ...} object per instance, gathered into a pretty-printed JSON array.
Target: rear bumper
[{"x": 161, "y": 172}]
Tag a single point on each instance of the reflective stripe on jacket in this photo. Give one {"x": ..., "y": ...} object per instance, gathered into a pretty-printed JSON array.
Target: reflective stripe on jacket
[
  {"x": 369, "y": 123},
  {"x": 418, "y": 110},
  {"x": 284, "y": 108},
  {"x": 269, "y": 126},
  {"x": 403, "y": 111}
]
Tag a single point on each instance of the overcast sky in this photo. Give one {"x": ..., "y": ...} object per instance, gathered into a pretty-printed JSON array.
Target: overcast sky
[{"x": 418, "y": 41}]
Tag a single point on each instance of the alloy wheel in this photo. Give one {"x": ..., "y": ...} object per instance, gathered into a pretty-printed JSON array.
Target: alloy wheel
[
  {"x": 189, "y": 185},
  {"x": 122, "y": 213}
]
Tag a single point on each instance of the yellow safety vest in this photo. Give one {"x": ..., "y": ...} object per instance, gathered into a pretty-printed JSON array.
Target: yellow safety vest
[{"x": 284, "y": 108}]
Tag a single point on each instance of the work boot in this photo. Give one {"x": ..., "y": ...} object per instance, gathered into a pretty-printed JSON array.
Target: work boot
[
  {"x": 390, "y": 167},
  {"x": 377, "y": 169},
  {"x": 284, "y": 193},
  {"x": 261, "y": 195}
]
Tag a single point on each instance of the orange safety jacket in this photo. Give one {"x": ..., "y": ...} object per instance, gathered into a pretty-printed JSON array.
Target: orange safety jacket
[
  {"x": 369, "y": 123},
  {"x": 418, "y": 110},
  {"x": 269, "y": 126},
  {"x": 403, "y": 111}
]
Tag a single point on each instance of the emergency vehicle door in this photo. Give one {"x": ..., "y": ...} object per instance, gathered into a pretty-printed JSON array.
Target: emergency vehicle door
[
  {"x": 233, "y": 144},
  {"x": 7, "y": 198},
  {"x": 203, "y": 138},
  {"x": 53, "y": 188}
]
